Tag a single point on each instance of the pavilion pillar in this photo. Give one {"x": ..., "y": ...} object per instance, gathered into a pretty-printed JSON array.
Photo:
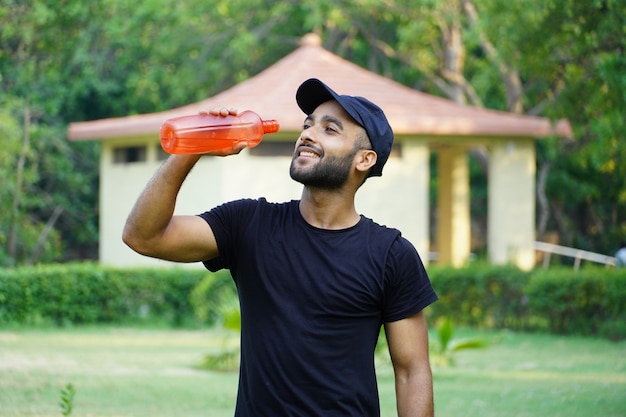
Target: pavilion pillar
[
  {"x": 453, "y": 206},
  {"x": 511, "y": 196}
]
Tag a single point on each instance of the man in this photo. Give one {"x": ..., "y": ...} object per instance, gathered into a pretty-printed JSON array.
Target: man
[{"x": 315, "y": 279}]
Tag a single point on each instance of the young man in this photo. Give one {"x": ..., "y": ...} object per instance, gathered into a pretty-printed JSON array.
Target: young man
[{"x": 316, "y": 280}]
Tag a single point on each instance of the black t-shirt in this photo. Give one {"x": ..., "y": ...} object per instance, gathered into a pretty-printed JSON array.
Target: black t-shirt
[{"x": 312, "y": 304}]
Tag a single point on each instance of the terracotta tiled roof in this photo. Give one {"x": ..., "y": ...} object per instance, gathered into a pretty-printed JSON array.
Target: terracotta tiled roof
[{"x": 271, "y": 94}]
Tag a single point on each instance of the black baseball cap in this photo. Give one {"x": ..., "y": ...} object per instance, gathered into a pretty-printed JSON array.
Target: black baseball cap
[{"x": 368, "y": 115}]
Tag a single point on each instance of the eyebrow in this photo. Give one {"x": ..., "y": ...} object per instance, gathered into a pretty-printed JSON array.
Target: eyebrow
[{"x": 325, "y": 118}]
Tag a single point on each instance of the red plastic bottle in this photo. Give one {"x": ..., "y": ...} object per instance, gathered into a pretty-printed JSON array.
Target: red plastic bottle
[{"x": 204, "y": 132}]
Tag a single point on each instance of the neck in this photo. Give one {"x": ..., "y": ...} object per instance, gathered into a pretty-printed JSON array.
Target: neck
[{"x": 332, "y": 210}]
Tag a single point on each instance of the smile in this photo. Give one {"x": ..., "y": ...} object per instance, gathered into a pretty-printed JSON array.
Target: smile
[{"x": 308, "y": 154}]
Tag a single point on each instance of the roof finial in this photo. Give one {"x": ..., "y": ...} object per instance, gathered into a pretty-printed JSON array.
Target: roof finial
[{"x": 311, "y": 39}]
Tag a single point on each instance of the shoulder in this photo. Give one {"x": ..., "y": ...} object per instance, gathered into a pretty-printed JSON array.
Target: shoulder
[
  {"x": 245, "y": 213},
  {"x": 379, "y": 228},
  {"x": 249, "y": 205},
  {"x": 383, "y": 235},
  {"x": 400, "y": 252}
]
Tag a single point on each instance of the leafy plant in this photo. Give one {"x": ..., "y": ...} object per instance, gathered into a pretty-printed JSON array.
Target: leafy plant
[
  {"x": 67, "y": 399},
  {"x": 442, "y": 351},
  {"x": 227, "y": 359}
]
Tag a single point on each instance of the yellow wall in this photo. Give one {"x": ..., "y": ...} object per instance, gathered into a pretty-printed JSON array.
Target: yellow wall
[
  {"x": 397, "y": 199},
  {"x": 511, "y": 222},
  {"x": 453, "y": 206}
]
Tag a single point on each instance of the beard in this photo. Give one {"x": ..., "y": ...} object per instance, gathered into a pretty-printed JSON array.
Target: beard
[{"x": 330, "y": 173}]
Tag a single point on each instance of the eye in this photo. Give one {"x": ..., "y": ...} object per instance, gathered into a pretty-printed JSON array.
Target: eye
[
  {"x": 306, "y": 126},
  {"x": 331, "y": 129}
]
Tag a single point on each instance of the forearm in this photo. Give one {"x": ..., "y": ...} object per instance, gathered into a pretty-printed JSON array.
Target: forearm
[
  {"x": 414, "y": 393},
  {"x": 154, "y": 208}
]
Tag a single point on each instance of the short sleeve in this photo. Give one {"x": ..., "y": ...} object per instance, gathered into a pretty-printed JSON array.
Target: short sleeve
[
  {"x": 408, "y": 289},
  {"x": 228, "y": 223}
]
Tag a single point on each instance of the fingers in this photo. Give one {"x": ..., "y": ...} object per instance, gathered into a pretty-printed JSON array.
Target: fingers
[
  {"x": 240, "y": 147},
  {"x": 237, "y": 148},
  {"x": 223, "y": 111}
]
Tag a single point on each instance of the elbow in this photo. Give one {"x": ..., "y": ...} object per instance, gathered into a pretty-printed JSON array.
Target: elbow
[
  {"x": 128, "y": 237},
  {"x": 414, "y": 371},
  {"x": 132, "y": 239}
]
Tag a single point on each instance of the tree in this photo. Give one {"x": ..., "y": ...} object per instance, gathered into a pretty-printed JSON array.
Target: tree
[
  {"x": 558, "y": 59},
  {"x": 49, "y": 198},
  {"x": 88, "y": 60}
]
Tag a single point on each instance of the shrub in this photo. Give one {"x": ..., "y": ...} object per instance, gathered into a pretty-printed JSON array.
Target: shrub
[
  {"x": 588, "y": 301},
  {"x": 87, "y": 294},
  {"x": 591, "y": 300},
  {"x": 214, "y": 298},
  {"x": 481, "y": 295}
]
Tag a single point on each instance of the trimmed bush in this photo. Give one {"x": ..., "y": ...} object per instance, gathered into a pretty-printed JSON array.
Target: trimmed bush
[
  {"x": 87, "y": 294},
  {"x": 590, "y": 301},
  {"x": 481, "y": 295}
]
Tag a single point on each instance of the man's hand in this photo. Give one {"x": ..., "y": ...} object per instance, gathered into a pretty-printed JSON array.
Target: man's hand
[{"x": 225, "y": 112}]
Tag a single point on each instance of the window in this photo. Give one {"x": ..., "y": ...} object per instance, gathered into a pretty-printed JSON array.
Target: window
[
  {"x": 273, "y": 149},
  {"x": 129, "y": 154},
  {"x": 161, "y": 154}
]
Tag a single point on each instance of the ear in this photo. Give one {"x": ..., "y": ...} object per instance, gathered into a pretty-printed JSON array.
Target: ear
[{"x": 365, "y": 159}]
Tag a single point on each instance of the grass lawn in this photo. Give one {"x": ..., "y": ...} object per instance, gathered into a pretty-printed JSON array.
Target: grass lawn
[{"x": 140, "y": 372}]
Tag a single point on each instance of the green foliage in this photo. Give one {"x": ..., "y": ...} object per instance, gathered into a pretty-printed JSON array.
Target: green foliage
[
  {"x": 481, "y": 295},
  {"x": 445, "y": 345},
  {"x": 48, "y": 203},
  {"x": 67, "y": 399},
  {"x": 75, "y": 294},
  {"x": 590, "y": 301},
  {"x": 581, "y": 302},
  {"x": 118, "y": 58},
  {"x": 442, "y": 347},
  {"x": 226, "y": 360},
  {"x": 214, "y": 301}
]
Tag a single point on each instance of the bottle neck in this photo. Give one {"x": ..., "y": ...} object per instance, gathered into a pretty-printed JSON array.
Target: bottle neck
[{"x": 270, "y": 126}]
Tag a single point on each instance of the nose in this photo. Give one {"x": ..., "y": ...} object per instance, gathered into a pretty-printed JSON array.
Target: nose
[{"x": 307, "y": 135}]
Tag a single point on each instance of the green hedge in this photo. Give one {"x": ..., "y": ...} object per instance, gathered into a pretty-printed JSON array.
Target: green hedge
[
  {"x": 88, "y": 294},
  {"x": 481, "y": 295},
  {"x": 590, "y": 301}
]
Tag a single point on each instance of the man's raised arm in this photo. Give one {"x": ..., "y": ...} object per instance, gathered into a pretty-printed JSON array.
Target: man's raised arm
[{"x": 152, "y": 229}]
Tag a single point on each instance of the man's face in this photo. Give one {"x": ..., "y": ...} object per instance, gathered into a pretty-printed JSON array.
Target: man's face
[{"x": 325, "y": 151}]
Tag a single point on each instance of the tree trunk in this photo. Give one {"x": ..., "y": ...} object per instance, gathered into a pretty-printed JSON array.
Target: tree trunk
[
  {"x": 508, "y": 74},
  {"x": 453, "y": 59},
  {"x": 41, "y": 240},
  {"x": 542, "y": 199},
  {"x": 17, "y": 197},
  {"x": 453, "y": 63}
]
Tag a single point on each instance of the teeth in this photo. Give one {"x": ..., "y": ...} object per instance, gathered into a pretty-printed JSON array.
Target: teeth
[{"x": 309, "y": 154}]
